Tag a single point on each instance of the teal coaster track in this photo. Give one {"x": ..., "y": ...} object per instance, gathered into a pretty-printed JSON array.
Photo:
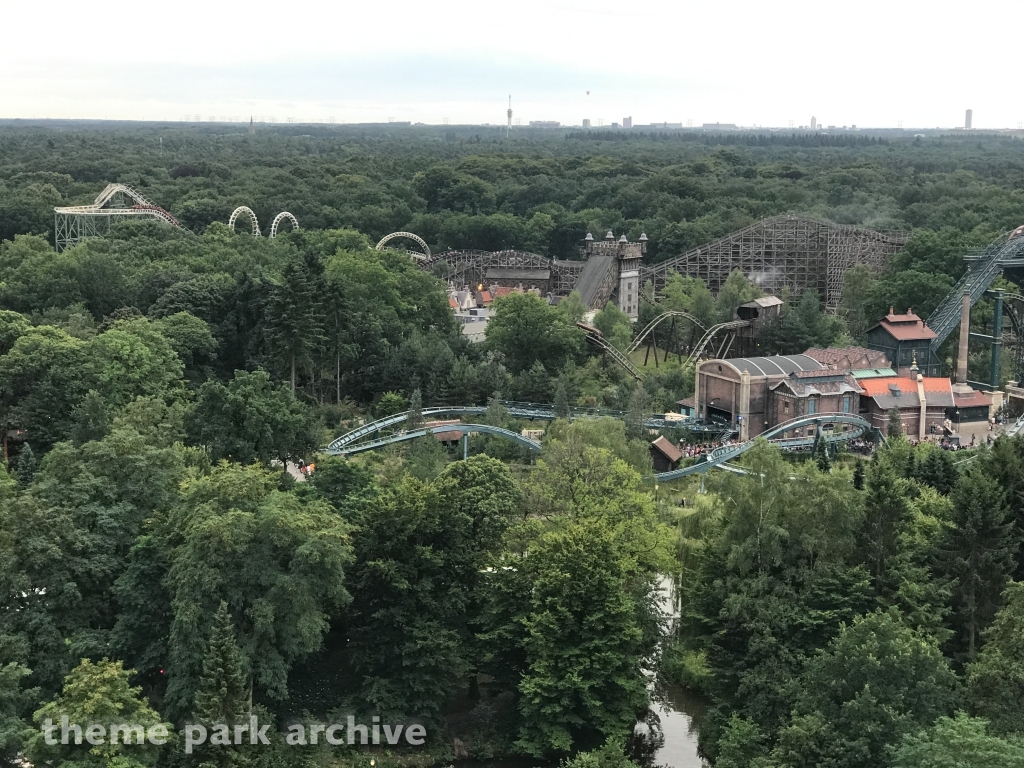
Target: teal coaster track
[
  {"x": 463, "y": 429},
  {"x": 719, "y": 457},
  {"x": 349, "y": 442},
  {"x": 353, "y": 442}
]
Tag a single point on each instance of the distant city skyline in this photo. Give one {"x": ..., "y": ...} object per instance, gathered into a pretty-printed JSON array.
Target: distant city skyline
[{"x": 655, "y": 61}]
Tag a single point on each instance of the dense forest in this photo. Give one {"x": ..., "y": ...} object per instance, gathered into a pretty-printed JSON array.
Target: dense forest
[{"x": 158, "y": 563}]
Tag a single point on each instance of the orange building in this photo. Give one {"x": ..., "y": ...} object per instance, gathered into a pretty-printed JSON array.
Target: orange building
[{"x": 922, "y": 403}]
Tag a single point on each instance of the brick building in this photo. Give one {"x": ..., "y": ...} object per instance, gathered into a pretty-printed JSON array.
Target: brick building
[
  {"x": 735, "y": 390},
  {"x": 921, "y": 400},
  {"x": 806, "y": 393},
  {"x": 753, "y": 394}
]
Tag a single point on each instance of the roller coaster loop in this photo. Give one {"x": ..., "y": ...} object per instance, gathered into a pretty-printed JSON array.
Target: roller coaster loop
[
  {"x": 408, "y": 236},
  {"x": 244, "y": 209},
  {"x": 275, "y": 225}
]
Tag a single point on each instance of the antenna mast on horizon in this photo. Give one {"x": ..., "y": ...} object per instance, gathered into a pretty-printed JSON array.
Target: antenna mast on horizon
[{"x": 509, "y": 128}]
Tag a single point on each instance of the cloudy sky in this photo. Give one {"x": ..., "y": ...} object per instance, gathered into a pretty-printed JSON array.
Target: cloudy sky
[{"x": 869, "y": 63}]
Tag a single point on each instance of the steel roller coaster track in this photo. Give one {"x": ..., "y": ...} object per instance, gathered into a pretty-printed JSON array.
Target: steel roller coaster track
[
  {"x": 672, "y": 313},
  {"x": 718, "y": 457},
  {"x": 351, "y": 443},
  {"x": 73, "y": 223}
]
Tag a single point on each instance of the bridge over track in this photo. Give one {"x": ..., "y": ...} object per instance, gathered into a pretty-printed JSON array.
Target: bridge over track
[{"x": 985, "y": 266}]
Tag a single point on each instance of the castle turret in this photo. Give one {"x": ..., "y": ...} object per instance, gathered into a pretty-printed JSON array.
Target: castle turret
[{"x": 630, "y": 256}]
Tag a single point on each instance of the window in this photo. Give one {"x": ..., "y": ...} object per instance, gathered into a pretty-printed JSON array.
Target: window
[
  {"x": 812, "y": 405},
  {"x": 846, "y": 404},
  {"x": 785, "y": 407}
]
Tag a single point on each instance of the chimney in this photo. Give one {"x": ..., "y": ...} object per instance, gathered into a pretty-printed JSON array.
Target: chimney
[
  {"x": 744, "y": 405},
  {"x": 961, "y": 386},
  {"x": 924, "y": 407}
]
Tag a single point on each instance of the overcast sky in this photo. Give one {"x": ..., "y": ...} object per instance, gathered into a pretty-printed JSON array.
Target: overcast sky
[{"x": 868, "y": 63}]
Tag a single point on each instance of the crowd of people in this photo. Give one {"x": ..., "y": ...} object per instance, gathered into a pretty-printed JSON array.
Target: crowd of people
[
  {"x": 861, "y": 446},
  {"x": 696, "y": 451}
]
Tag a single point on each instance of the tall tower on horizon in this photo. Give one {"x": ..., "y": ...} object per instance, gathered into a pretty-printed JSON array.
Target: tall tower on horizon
[
  {"x": 509, "y": 128},
  {"x": 968, "y": 119}
]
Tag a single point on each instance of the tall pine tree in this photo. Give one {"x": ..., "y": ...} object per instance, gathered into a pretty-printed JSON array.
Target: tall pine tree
[
  {"x": 26, "y": 466},
  {"x": 894, "y": 431},
  {"x": 295, "y": 317},
  {"x": 415, "y": 418},
  {"x": 978, "y": 553},
  {"x": 223, "y": 695},
  {"x": 886, "y": 514},
  {"x": 561, "y": 401}
]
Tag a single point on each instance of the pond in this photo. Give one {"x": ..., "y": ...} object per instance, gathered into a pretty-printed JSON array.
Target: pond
[{"x": 667, "y": 736}]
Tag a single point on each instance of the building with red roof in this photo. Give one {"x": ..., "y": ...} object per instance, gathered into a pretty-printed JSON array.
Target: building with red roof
[
  {"x": 905, "y": 339},
  {"x": 922, "y": 402}
]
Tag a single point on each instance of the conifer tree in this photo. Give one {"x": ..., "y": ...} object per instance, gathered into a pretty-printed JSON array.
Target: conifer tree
[
  {"x": 886, "y": 516},
  {"x": 561, "y": 401},
  {"x": 937, "y": 470},
  {"x": 26, "y": 467},
  {"x": 497, "y": 414},
  {"x": 637, "y": 413},
  {"x": 295, "y": 324},
  {"x": 821, "y": 457},
  {"x": 995, "y": 680},
  {"x": 858, "y": 476},
  {"x": 415, "y": 418},
  {"x": 978, "y": 553},
  {"x": 223, "y": 695},
  {"x": 895, "y": 429}
]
